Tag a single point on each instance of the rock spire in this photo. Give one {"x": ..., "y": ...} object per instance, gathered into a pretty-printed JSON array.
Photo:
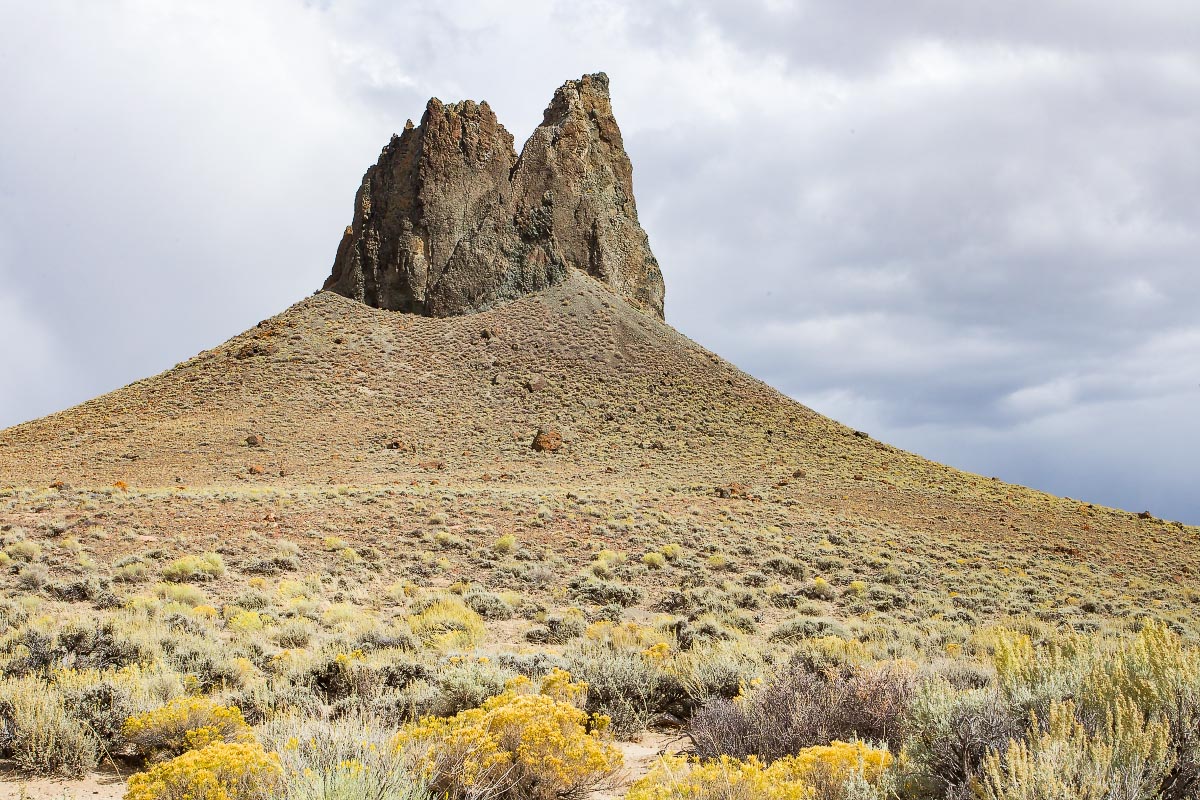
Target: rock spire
[{"x": 450, "y": 220}]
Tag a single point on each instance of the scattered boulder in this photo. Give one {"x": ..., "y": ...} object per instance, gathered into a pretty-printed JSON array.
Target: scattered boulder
[
  {"x": 255, "y": 469},
  {"x": 252, "y": 349},
  {"x": 255, "y": 440},
  {"x": 547, "y": 440}
]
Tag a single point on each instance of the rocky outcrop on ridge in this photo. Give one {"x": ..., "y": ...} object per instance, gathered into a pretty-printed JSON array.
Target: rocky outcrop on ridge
[{"x": 451, "y": 221}]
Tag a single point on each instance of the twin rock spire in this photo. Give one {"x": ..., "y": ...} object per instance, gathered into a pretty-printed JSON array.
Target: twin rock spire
[{"x": 451, "y": 220}]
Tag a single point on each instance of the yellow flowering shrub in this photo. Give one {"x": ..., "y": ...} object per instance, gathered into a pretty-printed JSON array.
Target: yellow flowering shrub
[
  {"x": 788, "y": 778},
  {"x": 522, "y": 744},
  {"x": 218, "y": 771},
  {"x": 186, "y": 723},
  {"x": 447, "y": 623},
  {"x": 245, "y": 622}
]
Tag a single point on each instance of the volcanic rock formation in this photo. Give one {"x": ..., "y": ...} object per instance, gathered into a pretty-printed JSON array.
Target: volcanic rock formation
[{"x": 451, "y": 221}]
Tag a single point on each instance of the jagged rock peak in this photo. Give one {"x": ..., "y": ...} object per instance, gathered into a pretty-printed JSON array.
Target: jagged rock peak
[{"x": 451, "y": 221}]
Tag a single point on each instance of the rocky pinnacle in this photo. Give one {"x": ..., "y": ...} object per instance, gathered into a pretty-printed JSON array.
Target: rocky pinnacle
[{"x": 451, "y": 221}]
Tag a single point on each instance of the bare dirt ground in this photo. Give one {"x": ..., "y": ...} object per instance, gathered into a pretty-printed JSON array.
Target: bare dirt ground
[{"x": 97, "y": 786}]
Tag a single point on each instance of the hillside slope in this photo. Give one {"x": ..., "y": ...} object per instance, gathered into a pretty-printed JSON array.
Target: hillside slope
[
  {"x": 330, "y": 384},
  {"x": 344, "y": 394}
]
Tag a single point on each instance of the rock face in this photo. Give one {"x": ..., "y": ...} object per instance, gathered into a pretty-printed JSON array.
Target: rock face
[{"x": 451, "y": 221}]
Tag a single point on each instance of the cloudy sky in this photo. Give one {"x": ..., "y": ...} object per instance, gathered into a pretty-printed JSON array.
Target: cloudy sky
[{"x": 969, "y": 228}]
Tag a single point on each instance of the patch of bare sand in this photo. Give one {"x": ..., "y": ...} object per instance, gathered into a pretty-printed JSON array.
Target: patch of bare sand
[
  {"x": 94, "y": 786},
  {"x": 639, "y": 759}
]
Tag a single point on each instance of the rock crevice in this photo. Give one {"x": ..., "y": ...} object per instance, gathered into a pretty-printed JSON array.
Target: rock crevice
[{"x": 451, "y": 221}]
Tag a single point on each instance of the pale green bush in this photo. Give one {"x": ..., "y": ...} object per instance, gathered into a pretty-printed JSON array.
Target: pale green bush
[
  {"x": 344, "y": 759},
  {"x": 38, "y": 734},
  {"x": 204, "y": 567},
  {"x": 1126, "y": 759}
]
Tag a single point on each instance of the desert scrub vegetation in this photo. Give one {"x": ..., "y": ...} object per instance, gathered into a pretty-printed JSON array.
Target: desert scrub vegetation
[
  {"x": 1070, "y": 716},
  {"x": 797, "y": 709},
  {"x": 981, "y": 674},
  {"x": 38, "y": 733}
]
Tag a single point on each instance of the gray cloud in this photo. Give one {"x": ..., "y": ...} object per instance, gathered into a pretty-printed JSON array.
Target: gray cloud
[{"x": 971, "y": 229}]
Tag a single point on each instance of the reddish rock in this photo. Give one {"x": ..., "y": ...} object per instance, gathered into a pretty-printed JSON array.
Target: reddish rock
[{"x": 547, "y": 440}]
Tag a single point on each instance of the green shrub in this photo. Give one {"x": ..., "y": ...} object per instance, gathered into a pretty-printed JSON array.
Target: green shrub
[
  {"x": 184, "y": 595},
  {"x": 588, "y": 589},
  {"x": 627, "y": 687},
  {"x": 32, "y": 577},
  {"x": 654, "y": 560},
  {"x": 446, "y": 622},
  {"x": 559, "y": 629},
  {"x": 273, "y": 565},
  {"x": 75, "y": 591},
  {"x": 1128, "y": 757},
  {"x": 344, "y": 759},
  {"x": 808, "y": 628},
  {"x": 785, "y": 566},
  {"x": 205, "y": 567},
  {"x": 488, "y": 605},
  {"x": 466, "y": 684},
  {"x": 133, "y": 572},
  {"x": 671, "y": 552},
  {"x": 101, "y": 709},
  {"x": 820, "y": 589},
  {"x": 24, "y": 550},
  {"x": 952, "y": 732}
]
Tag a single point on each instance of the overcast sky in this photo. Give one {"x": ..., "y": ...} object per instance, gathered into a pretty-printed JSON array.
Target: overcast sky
[{"x": 969, "y": 228}]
